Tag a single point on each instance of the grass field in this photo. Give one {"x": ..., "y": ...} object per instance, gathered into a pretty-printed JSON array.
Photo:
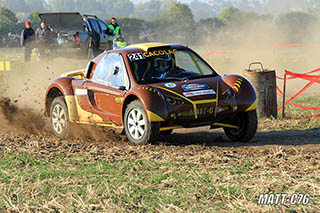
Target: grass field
[
  {"x": 41, "y": 173},
  {"x": 187, "y": 172}
]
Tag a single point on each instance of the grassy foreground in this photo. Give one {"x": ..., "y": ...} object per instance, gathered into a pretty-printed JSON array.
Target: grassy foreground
[
  {"x": 46, "y": 174},
  {"x": 295, "y": 118}
]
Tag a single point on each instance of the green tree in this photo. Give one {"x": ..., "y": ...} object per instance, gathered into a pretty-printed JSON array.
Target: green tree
[
  {"x": 181, "y": 23},
  {"x": 208, "y": 28},
  {"x": 296, "y": 26},
  {"x": 34, "y": 19},
  {"x": 8, "y": 21},
  {"x": 160, "y": 29},
  {"x": 235, "y": 17},
  {"x": 166, "y": 4},
  {"x": 134, "y": 30}
]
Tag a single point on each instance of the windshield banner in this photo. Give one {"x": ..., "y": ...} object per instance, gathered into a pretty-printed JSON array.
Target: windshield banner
[{"x": 159, "y": 52}]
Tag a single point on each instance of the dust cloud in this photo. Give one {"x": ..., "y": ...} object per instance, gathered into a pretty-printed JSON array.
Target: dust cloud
[
  {"x": 233, "y": 49},
  {"x": 24, "y": 120},
  {"x": 22, "y": 92}
]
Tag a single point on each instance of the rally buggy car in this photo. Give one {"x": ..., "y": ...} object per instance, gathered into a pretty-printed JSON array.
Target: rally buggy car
[{"x": 150, "y": 89}]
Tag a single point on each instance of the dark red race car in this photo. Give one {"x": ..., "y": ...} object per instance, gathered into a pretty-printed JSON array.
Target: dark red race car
[{"x": 150, "y": 89}]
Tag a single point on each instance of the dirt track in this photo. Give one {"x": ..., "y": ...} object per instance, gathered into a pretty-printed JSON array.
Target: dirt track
[{"x": 17, "y": 134}]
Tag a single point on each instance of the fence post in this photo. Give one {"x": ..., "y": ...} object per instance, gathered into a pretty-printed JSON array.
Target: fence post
[{"x": 284, "y": 94}]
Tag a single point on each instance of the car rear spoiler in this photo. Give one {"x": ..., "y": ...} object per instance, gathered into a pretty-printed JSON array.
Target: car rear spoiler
[
  {"x": 79, "y": 74},
  {"x": 89, "y": 16}
]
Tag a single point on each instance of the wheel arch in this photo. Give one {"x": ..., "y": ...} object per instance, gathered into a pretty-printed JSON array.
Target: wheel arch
[
  {"x": 126, "y": 102},
  {"x": 52, "y": 94},
  {"x": 152, "y": 103},
  {"x": 245, "y": 92},
  {"x": 59, "y": 87}
]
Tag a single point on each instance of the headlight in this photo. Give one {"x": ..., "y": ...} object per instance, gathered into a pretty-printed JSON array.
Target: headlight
[
  {"x": 174, "y": 101},
  {"x": 229, "y": 94}
]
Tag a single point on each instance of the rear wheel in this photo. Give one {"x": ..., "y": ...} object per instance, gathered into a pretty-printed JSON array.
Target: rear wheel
[
  {"x": 59, "y": 117},
  {"x": 247, "y": 122},
  {"x": 138, "y": 128}
]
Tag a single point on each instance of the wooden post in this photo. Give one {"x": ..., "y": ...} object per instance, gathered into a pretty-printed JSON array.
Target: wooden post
[
  {"x": 264, "y": 83},
  {"x": 284, "y": 94}
]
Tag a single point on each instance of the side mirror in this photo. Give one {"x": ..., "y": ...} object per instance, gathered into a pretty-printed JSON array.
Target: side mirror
[{"x": 122, "y": 88}]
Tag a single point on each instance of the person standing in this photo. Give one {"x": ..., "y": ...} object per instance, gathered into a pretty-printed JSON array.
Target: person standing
[
  {"x": 27, "y": 40},
  {"x": 119, "y": 43},
  {"x": 113, "y": 31},
  {"x": 43, "y": 37}
]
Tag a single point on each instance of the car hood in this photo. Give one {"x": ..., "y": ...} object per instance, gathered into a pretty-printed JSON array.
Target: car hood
[
  {"x": 63, "y": 21},
  {"x": 197, "y": 89}
]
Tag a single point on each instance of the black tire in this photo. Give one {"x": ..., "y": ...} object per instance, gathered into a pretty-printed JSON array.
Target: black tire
[
  {"x": 166, "y": 132},
  {"x": 59, "y": 117},
  {"x": 136, "y": 117},
  {"x": 248, "y": 123}
]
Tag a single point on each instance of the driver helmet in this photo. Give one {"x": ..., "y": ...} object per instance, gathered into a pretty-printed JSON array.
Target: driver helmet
[{"x": 162, "y": 63}]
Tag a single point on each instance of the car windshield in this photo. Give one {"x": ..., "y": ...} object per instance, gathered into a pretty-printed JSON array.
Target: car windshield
[{"x": 168, "y": 65}]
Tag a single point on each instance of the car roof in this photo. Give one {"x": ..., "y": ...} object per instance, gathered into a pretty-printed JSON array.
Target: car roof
[
  {"x": 146, "y": 46},
  {"x": 139, "y": 47}
]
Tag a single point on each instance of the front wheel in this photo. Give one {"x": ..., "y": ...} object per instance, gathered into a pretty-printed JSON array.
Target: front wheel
[
  {"x": 59, "y": 117},
  {"x": 247, "y": 123},
  {"x": 138, "y": 128}
]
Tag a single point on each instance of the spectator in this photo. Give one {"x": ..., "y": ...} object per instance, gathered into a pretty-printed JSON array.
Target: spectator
[
  {"x": 119, "y": 42},
  {"x": 27, "y": 40},
  {"x": 113, "y": 31},
  {"x": 43, "y": 37}
]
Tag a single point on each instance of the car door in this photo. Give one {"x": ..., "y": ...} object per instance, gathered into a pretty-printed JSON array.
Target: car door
[
  {"x": 104, "y": 38},
  {"x": 95, "y": 31},
  {"x": 107, "y": 87}
]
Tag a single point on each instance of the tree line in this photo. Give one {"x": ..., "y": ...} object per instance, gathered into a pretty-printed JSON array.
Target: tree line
[
  {"x": 176, "y": 22},
  {"x": 153, "y": 8}
]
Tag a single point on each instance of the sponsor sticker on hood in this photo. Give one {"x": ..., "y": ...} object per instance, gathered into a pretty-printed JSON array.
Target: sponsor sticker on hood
[
  {"x": 192, "y": 87},
  {"x": 170, "y": 85},
  {"x": 200, "y": 92}
]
